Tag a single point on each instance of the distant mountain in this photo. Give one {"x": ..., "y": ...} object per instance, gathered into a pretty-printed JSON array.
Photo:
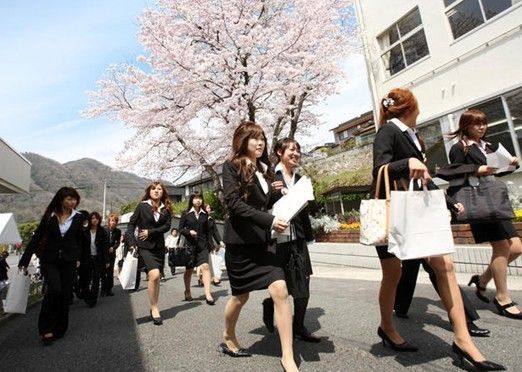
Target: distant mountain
[{"x": 87, "y": 175}]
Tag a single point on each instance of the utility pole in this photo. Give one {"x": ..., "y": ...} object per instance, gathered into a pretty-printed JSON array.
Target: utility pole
[{"x": 104, "y": 198}]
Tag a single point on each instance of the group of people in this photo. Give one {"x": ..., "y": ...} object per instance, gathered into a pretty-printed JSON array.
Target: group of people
[{"x": 264, "y": 251}]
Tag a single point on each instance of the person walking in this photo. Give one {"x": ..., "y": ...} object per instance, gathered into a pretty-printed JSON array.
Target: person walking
[
  {"x": 214, "y": 257},
  {"x": 114, "y": 235},
  {"x": 4, "y": 266},
  {"x": 171, "y": 244},
  {"x": 470, "y": 152},
  {"x": 398, "y": 145},
  {"x": 194, "y": 226},
  {"x": 57, "y": 242},
  {"x": 145, "y": 232},
  {"x": 295, "y": 245},
  {"x": 250, "y": 264},
  {"x": 96, "y": 241}
]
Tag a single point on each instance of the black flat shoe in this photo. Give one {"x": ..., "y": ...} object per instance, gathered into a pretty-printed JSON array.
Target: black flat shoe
[
  {"x": 306, "y": 336},
  {"x": 240, "y": 353},
  {"x": 475, "y": 331},
  {"x": 485, "y": 365},
  {"x": 268, "y": 314},
  {"x": 402, "y": 315},
  {"x": 397, "y": 347},
  {"x": 217, "y": 284},
  {"x": 157, "y": 321},
  {"x": 502, "y": 310},
  {"x": 210, "y": 302},
  {"x": 188, "y": 297},
  {"x": 475, "y": 279}
]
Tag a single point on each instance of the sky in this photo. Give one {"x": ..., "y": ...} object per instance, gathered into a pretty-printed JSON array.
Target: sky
[{"x": 52, "y": 52}]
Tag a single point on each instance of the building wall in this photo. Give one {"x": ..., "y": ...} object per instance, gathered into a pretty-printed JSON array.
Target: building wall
[
  {"x": 482, "y": 68},
  {"x": 440, "y": 82},
  {"x": 15, "y": 170}
]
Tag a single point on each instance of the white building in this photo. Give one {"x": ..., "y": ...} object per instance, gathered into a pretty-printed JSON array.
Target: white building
[
  {"x": 454, "y": 55},
  {"x": 15, "y": 170}
]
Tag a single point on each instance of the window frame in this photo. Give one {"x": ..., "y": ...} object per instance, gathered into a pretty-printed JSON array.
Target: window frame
[
  {"x": 486, "y": 21},
  {"x": 401, "y": 39}
]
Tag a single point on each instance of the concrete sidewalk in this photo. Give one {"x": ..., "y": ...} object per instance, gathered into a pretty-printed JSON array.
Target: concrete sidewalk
[{"x": 469, "y": 259}]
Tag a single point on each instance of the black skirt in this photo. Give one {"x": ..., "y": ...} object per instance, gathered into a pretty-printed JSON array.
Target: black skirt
[
  {"x": 251, "y": 267},
  {"x": 199, "y": 257},
  {"x": 283, "y": 251},
  {"x": 153, "y": 258},
  {"x": 493, "y": 231}
]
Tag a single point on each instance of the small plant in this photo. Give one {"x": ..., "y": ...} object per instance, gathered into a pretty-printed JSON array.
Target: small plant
[{"x": 325, "y": 224}]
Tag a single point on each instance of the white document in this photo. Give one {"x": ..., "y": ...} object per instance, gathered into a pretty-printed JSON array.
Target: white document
[
  {"x": 500, "y": 159},
  {"x": 293, "y": 202}
]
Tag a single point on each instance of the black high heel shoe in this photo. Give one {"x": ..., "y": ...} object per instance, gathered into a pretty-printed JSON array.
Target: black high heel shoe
[
  {"x": 485, "y": 365},
  {"x": 397, "y": 347},
  {"x": 157, "y": 321},
  {"x": 210, "y": 302},
  {"x": 502, "y": 310},
  {"x": 475, "y": 279}
]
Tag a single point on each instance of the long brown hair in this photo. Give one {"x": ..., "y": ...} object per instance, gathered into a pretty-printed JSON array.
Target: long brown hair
[
  {"x": 239, "y": 155},
  {"x": 164, "y": 196},
  {"x": 467, "y": 119},
  {"x": 398, "y": 102}
]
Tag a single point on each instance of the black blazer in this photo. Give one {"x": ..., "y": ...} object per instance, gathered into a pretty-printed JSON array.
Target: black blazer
[
  {"x": 187, "y": 222},
  {"x": 248, "y": 221},
  {"x": 301, "y": 222},
  {"x": 212, "y": 227},
  {"x": 101, "y": 242},
  {"x": 395, "y": 147},
  {"x": 143, "y": 219},
  {"x": 68, "y": 248},
  {"x": 114, "y": 240}
]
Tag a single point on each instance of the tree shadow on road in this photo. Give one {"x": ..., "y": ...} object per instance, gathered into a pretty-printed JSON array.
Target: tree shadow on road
[
  {"x": 431, "y": 347},
  {"x": 303, "y": 351}
]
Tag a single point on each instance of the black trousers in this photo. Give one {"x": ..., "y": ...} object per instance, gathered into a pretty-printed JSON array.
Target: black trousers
[
  {"x": 406, "y": 288},
  {"x": 108, "y": 275},
  {"x": 58, "y": 285},
  {"x": 96, "y": 270}
]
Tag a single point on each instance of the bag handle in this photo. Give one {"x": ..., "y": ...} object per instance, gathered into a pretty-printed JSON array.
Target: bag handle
[{"x": 383, "y": 172}]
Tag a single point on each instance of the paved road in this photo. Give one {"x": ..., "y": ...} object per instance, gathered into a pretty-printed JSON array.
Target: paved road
[{"x": 118, "y": 336}]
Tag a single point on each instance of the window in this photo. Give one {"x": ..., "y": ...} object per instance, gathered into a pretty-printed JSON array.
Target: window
[
  {"x": 433, "y": 139},
  {"x": 514, "y": 102},
  {"x": 498, "y": 129},
  {"x": 404, "y": 43},
  {"x": 466, "y": 15}
]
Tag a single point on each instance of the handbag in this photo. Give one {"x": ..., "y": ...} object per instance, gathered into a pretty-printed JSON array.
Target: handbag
[
  {"x": 295, "y": 275},
  {"x": 17, "y": 294},
  {"x": 375, "y": 213},
  {"x": 182, "y": 254},
  {"x": 487, "y": 201},
  {"x": 419, "y": 224},
  {"x": 128, "y": 271}
]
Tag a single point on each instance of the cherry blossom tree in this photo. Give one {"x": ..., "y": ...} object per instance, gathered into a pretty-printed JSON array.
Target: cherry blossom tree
[{"x": 209, "y": 64}]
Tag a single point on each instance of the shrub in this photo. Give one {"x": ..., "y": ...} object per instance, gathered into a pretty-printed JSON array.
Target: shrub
[{"x": 324, "y": 224}]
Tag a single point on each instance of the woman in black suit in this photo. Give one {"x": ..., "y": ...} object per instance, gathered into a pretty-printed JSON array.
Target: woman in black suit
[
  {"x": 194, "y": 226},
  {"x": 397, "y": 144},
  {"x": 288, "y": 153},
  {"x": 251, "y": 265},
  {"x": 96, "y": 241},
  {"x": 145, "y": 232},
  {"x": 57, "y": 242},
  {"x": 470, "y": 153}
]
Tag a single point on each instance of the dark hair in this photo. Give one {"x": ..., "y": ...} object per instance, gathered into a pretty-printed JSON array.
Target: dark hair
[
  {"x": 164, "y": 196},
  {"x": 55, "y": 206},
  {"x": 282, "y": 145},
  {"x": 467, "y": 119},
  {"x": 398, "y": 102},
  {"x": 174, "y": 229},
  {"x": 91, "y": 215},
  {"x": 239, "y": 155},
  {"x": 195, "y": 194},
  {"x": 85, "y": 214}
]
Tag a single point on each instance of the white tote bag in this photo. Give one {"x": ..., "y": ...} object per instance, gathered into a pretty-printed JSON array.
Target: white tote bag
[
  {"x": 375, "y": 213},
  {"x": 215, "y": 265},
  {"x": 17, "y": 294},
  {"x": 419, "y": 224},
  {"x": 128, "y": 271}
]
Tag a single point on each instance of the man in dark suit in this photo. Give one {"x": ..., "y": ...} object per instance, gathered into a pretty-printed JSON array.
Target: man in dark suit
[{"x": 114, "y": 242}]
